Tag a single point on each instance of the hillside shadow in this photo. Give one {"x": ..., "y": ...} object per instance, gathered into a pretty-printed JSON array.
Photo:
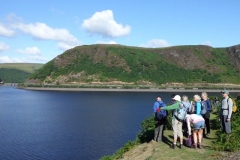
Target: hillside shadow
[
  {"x": 166, "y": 140},
  {"x": 214, "y": 124}
]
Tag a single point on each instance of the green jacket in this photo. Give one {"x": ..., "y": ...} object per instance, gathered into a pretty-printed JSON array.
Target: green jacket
[{"x": 172, "y": 107}]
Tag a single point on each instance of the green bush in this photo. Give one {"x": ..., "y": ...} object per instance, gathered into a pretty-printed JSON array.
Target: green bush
[
  {"x": 169, "y": 121},
  {"x": 13, "y": 75},
  {"x": 146, "y": 133},
  {"x": 127, "y": 87},
  {"x": 229, "y": 142},
  {"x": 144, "y": 87},
  {"x": 119, "y": 154}
]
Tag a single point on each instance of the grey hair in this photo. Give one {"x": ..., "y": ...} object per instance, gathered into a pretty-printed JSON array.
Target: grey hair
[
  {"x": 197, "y": 97},
  {"x": 205, "y": 94},
  {"x": 184, "y": 96}
]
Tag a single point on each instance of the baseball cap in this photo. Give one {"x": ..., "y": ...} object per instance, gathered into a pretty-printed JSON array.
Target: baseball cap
[{"x": 225, "y": 91}]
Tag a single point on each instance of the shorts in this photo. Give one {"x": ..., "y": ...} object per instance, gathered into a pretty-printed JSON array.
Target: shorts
[
  {"x": 199, "y": 125},
  {"x": 177, "y": 128}
]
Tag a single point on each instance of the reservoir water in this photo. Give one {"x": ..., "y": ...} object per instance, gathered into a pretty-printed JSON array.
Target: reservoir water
[{"x": 70, "y": 125}]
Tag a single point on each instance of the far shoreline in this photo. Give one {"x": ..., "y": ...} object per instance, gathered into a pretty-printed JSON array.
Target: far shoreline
[{"x": 123, "y": 90}]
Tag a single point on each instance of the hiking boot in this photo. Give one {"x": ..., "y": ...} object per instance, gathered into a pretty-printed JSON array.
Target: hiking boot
[
  {"x": 181, "y": 146},
  {"x": 199, "y": 145},
  {"x": 173, "y": 146},
  {"x": 194, "y": 146}
]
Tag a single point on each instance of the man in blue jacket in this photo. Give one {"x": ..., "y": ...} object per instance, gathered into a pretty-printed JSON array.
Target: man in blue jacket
[{"x": 159, "y": 125}]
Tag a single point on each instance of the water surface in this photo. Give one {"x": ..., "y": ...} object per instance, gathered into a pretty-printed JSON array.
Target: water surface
[{"x": 70, "y": 125}]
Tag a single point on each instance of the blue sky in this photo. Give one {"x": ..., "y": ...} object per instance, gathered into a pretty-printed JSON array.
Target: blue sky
[{"x": 38, "y": 31}]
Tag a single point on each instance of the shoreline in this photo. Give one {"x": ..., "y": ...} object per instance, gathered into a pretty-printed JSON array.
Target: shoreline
[{"x": 124, "y": 90}]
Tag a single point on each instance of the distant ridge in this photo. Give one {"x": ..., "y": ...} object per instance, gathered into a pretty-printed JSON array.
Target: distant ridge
[
  {"x": 27, "y": 67},
  {"x": 17, "y": 72}
]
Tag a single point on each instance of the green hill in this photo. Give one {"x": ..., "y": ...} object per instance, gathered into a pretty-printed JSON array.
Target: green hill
[
  {"x": 117, "y": 63},
  {"x": 17, "y": 72},
  {"x": 27, "y": 67}
]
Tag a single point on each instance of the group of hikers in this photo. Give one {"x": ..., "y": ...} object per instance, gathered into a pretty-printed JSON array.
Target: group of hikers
[{"x": 193, "y": 117}]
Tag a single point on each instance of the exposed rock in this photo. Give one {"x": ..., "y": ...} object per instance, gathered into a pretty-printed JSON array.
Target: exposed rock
[{"x": 234, "y": 53}]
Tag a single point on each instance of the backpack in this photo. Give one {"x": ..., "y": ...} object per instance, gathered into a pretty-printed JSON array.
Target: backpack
[
  {"x": 203, "y": 108},
  {"x": 189, "y": 141},
  {"x": 180, "y": 113},
  {"x": 234, "y": 107},
  {"x": 192, "y": 108},
  {"x": 160, "y": 114}
]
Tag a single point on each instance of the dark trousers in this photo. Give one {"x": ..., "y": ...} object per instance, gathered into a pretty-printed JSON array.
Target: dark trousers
[
  {"x": 207, "y": 123},
  {"x": 158, "y": 132}
]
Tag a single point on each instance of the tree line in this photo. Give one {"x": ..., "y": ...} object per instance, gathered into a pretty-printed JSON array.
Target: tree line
[{"x": 13, "y": 75}]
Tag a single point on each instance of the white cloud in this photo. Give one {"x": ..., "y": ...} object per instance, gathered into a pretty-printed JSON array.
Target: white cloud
[
  {"x": 5, "y": 31},
  {"x": 65, "y": 46},
  {"x": 28, "y": 59},
  {"x": 109, "y": 42},
  {"x": 13, "y": 19},
  {"x": 207, "y": 43},
  {"x": 4, "y": 46},
  {"x": 155, "y": 43},
  {"x": 44, "y": 32},
  {"x": 36, "y": 59},
  {"x": 30, "y": 50},
  {"x": 6, "y": 59},
  {"x": 103, "y": 23}
]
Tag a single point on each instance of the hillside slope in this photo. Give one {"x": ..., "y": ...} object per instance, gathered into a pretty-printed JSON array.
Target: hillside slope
[
  {"x": 26, "y": 67},
  {"x": 117, "y": 63},
  {"x": 17, "y": 72}
]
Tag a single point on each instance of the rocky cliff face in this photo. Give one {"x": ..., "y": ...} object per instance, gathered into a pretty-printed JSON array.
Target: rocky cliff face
[{"x": 234, "y": 53}]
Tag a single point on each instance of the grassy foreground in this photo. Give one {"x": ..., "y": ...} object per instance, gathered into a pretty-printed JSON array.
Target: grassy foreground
[{"x": 154, "y": 150}]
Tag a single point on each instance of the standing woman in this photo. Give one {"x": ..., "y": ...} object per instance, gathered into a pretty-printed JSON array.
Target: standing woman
[
  {"x": 198, "y": 126},
  {"x": 206, "y": 116},
  {"x": 187, "y": 104},
  {"x": 197, "y": 101}
]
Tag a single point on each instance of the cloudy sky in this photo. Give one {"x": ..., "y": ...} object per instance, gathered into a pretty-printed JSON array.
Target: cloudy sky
[{"x": 38, "y": 31}]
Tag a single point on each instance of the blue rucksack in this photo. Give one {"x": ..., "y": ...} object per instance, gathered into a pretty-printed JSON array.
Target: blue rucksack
[
  {"x": 159, "y": 115},
  {"x": 203, "y": 108},
  {"x": 181, "y": 112}
]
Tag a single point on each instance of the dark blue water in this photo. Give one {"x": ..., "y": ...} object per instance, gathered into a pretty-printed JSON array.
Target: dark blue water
[{"x": 69, "y": 125}]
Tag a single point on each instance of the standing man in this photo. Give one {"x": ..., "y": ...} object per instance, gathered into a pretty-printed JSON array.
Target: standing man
[
  {"x": 226, "y": 112},
  {"x": 159, "y": 124}
]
